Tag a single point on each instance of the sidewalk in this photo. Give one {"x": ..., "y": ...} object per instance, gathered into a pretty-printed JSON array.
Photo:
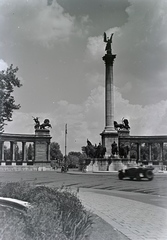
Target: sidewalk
[{"x": 136, "y": 220}]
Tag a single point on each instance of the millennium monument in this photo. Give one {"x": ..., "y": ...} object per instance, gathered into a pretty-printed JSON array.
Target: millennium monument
[
  {"x": 109, "y": 135},
  {"x": 118, "y": 148}
]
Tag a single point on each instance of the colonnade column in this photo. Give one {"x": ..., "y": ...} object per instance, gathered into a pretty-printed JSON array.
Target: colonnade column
[
  {"x": 138, "y": 152},
  {"x": 149, "y": 152},
  {"x": 2, "y": 151},
  {"x": 48, "y": 151},
  {"x": 161, "y": 152},
  {"x": 12, "y": 152},
  {"x": 24, "y": 153}
]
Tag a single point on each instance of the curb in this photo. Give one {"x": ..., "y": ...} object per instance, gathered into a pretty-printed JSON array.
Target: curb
[{"x": 14, "y": 203}]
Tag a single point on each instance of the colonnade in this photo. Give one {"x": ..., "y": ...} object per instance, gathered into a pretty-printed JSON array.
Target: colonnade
[
  {"x": 41, "y": 147},
  {"x": 150, "y": 141},
  {"x": 161, "y": 144}
]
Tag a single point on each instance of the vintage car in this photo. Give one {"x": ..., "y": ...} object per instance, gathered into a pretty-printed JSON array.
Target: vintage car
[{"x": 137, "y": 172}]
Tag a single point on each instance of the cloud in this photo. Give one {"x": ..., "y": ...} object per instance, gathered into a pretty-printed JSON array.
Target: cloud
[
  {"x": 3, "y": 65},
  {"x": 37, "y": 21},
  {"x": 96, "y": 45},
  {"x": 141, "y": 49},
  {"x": 87, "y": 120}
]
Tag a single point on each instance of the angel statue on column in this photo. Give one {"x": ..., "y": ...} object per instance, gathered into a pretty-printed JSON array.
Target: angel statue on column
[{"x": 108, "y": 41}]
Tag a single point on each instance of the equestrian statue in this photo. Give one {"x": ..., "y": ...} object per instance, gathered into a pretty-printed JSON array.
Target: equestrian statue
[{"x": 94, "y": 151}]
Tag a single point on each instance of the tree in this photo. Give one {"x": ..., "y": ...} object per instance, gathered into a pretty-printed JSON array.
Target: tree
[
  {"x": 55, "y": 152},
  {"x": 73, "y": 159},
  {"x": 8, "y": 81}
]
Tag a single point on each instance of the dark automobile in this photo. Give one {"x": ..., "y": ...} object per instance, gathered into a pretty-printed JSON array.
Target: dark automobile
[{"x": 137, "y": 172}]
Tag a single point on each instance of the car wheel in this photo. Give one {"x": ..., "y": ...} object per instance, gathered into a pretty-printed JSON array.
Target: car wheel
[
  {"x": 149, "y": 175},
  {"x": 120, "y": 175},
  {"x": 131, "y": 178}
]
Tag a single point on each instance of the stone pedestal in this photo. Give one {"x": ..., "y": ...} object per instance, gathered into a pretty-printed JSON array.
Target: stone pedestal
[
  {"x": 89, "y": 168},
  {"x": 108, "y": 137},
  {"x": 123, "y": 133},
  {"x": 42, "y": 143},
  {"x": 95, "y": 167}
]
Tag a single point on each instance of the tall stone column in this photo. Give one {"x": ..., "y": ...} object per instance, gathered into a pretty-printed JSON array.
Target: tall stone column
[
  {"x": 109, "y": 92},
  {"x": 109, "y": 135}
]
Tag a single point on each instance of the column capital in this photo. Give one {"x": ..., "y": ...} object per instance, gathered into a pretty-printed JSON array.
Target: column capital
[{"x": 109, "y": 58}]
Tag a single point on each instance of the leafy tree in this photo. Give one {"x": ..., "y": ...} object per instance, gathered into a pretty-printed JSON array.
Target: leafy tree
[
  {"x": 73, "y": 158},
  {"x": 8, "y": 81},
  {"x": 55, "y": 152}
]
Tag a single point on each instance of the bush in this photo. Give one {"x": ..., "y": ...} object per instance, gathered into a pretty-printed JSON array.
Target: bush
[{"x": 55, "y": 213}]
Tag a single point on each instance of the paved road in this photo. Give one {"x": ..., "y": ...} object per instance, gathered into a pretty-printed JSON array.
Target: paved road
[
  {"x": 108, "y": 181},
  {"x": 136, "y": 208}
]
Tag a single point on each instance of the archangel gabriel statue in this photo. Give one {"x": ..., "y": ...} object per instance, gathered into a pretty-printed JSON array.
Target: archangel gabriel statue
[{"x": 108, "y": 41}]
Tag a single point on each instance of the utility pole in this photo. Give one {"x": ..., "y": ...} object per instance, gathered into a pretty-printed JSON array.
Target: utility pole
[{"x": 65, "y": 143}]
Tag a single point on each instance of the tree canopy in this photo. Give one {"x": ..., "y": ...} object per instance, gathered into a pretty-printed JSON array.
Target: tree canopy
[
  {"x": 55, "y": 152},
  {"x": 8, "y": 81}
]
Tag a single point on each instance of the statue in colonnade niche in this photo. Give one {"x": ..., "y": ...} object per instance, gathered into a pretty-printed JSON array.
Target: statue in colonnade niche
[
  {"x": 114, "y": 148},
  {"x": 123, "y": 150}
]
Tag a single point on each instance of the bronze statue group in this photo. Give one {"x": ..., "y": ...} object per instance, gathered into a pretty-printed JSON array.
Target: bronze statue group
[
  {"x": 98, "y": 151},
  {"x": 45, "y": 124},
  {"x": 94, "y": 151}
]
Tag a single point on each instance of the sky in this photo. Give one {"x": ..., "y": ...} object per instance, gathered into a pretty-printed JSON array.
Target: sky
[{"x": 58, "y": 47}]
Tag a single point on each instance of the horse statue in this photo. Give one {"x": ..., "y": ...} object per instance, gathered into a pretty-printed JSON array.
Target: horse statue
[
  {"x": 45, "y": 124},
  {"x": 123, "y": 125},
  {"x": 94, "y": 151},
  {"x": 90, "y": 149},
  {"x": 117, "y": 125},
  {"x": 100, "y": 151},
  {"x": 126, "y": 123}
]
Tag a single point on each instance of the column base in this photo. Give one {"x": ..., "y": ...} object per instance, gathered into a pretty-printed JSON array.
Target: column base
[{"x": 109, "y": 135}]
